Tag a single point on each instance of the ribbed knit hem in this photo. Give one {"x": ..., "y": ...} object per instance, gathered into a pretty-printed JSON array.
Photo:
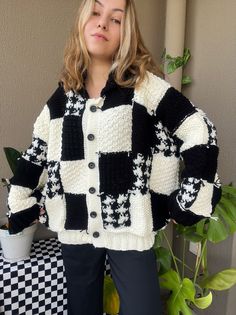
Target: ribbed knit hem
[{"x": 121, "y": 241}]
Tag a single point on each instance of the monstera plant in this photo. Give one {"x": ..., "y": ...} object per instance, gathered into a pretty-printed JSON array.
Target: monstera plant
[{"x": 195, "y": 291}]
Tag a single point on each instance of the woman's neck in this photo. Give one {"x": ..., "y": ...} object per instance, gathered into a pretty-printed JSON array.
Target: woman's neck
[{"x": 96, "y": 79}]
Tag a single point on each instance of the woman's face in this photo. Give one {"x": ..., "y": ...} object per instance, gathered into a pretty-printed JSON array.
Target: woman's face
[{"x": 102, "y": 31}]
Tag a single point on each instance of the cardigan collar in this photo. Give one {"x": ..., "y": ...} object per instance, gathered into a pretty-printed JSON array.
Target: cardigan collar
[{"x": 110, "y": 85}]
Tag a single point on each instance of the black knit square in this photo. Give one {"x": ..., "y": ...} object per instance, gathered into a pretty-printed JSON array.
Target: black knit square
[
  {"x": 27, "y": 174},
  {"x": 118, "y": 96},
  {"x": 116, "y": 173},
  {"x": 173, "y": 109},
  {"x": 76, "y": 212},
  {"x": 160, "y": 213},
  {"x": 72, "y": 139},
  {"x": 201, "y": 162},
  {"x": 56, "y": 103},
  {"x": 142, "y": 130}
]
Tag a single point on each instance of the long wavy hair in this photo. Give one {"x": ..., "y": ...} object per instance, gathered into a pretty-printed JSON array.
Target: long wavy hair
[{"x": 132, "y": 57}]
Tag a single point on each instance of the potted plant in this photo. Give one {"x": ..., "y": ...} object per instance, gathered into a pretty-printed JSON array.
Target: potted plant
[
  {"x": 186, "y": 293},
  {"x": 15, "y": 247}
]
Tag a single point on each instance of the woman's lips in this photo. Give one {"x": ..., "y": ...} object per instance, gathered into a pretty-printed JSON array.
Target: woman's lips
[{"x": 101, "y": 36}]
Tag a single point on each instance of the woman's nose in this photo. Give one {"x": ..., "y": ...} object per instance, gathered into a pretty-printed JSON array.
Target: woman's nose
[{"x": 103, "y": 24}]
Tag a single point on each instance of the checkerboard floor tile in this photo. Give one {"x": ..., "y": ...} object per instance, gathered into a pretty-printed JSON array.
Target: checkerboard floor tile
[{"x": 35, "y": 286}]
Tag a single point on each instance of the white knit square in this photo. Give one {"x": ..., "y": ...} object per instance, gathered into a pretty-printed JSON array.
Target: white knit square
[
  {"x": 115, "y": 129},
  {"x": 141, "y": 214},
  {"x": 150, "y": 92},
  {"x": 202, "y": 205},
  {"x": 193, "y": 131},
  {"x": 56, "y": 209},
  {"x": 164, "y": 174},
  {"x": 19, "y": 198},
  {"x": 74, "y": 176},
  {"x": 55, "y": 140},
  {"x": 41, "y": 125}
]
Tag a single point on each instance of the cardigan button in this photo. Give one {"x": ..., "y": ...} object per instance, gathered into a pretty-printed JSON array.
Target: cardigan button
[
  {"x": 91, "y": 165},
  {"x": 92, "y": 190},
  {"x": 93, "y": 108},
  {"x": 96, "y": 234},
  {"x": 93, "y": 214},
  {"x": 91, "y": 137}
]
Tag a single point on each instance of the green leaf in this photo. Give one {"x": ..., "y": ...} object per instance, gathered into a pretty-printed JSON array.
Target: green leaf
[
  {"x": 216, "y": 230},
  {"x": 171, "y": 67},
  {"x": 181, "y": 229},
  {"x": 229, "y": 206},
  {"x": 203, "y": 302},
  {"x": 186, "y": 80},
  {"x": 187, "y": 56},
  {"x": 229, "y": 190},
  {"x": 189, "y": 233},
  {"x": 220, "y": 281},
  {"x": 158, "y": 239},
  {"x": 164, "y": 258},
  {"x": 111, "y": 302},
  {"x": 200, "y": 227},
  {"x": 224, "y": 215},
  {"x": 181, "y": 293},
  {"x": 12, "y": 155}
]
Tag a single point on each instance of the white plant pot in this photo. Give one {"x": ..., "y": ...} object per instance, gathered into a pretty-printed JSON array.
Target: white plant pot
[{"x": 16, "y": 247}]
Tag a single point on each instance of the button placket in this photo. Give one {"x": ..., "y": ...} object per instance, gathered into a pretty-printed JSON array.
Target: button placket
[{"x": 95, "y": 224}]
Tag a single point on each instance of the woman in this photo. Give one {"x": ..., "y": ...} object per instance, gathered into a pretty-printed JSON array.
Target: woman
[{"x": 106, "y": 149}]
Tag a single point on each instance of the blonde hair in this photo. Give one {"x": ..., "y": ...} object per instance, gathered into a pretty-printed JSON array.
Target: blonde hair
[{"x": 132, "y": 57}]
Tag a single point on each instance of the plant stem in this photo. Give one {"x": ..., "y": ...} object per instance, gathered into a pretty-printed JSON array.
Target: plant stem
[
  {"x": 183, "y": 259},
  {"x": 179, "y": 260},
  {"x": 204, "y": 262},
  {"x": 199, "y": 261},
  {"x": 172, "y": 254}
]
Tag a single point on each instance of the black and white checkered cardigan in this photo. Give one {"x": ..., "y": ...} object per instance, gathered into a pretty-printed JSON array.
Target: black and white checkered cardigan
[{"x": 109, "y": 168}]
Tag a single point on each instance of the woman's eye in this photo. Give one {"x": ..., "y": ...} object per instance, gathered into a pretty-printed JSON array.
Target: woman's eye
[
  {"x": 115, "y": 21},
  {"x": 95, "y": 13}
]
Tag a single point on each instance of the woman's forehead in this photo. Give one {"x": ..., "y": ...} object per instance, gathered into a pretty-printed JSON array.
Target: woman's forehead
[{"x": 114, "y": 5}]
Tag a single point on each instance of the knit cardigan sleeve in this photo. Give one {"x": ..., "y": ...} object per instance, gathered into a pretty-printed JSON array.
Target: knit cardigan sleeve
[
  {"x": 194, "y": 141},
  {"x": 30, "y": 176}
]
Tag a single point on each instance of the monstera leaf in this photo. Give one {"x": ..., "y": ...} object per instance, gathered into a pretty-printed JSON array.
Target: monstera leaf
[
  {"x": 182, "y": 293},
  {"x": 223, "y": 221},
  {"x": 163, "y": 257}
]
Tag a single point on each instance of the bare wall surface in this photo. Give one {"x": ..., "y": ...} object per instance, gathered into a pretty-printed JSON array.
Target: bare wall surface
[{"x": 32, "y": 38}]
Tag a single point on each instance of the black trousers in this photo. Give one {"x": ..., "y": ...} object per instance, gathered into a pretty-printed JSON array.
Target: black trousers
[{"x": 133, "y": 272}]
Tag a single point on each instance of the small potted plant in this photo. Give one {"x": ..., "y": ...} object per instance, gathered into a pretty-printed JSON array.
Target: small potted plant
[{"x": 15, "y": 247}]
